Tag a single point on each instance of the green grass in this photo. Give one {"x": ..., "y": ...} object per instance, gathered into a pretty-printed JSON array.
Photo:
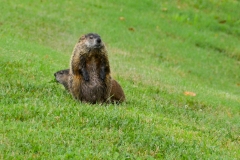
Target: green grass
[{"x": 157, "y": 52}]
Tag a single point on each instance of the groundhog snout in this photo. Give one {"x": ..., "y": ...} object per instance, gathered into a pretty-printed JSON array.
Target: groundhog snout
[
  {"x": 97, "y": 43},
  {"x": 98, "y": 40}
]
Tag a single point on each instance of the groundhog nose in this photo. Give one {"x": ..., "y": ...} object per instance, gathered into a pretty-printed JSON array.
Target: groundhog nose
[{"x": 99, "y": 40}]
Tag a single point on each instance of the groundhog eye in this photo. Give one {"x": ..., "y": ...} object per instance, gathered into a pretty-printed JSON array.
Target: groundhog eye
[{"x": 91, "y": 37}]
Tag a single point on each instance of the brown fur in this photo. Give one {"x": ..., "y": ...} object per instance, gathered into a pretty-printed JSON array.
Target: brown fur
[
  {"x": 116, "y": 95},
  {"x": 89, "y": 75}
]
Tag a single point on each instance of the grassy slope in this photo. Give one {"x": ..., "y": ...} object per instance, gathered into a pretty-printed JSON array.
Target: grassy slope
[{"x": 175, "y": 47}]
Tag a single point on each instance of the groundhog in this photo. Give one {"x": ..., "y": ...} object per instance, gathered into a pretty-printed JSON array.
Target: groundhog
[
  {"x": 116, "y": 95},
  {"x": 89, "y": 74},
  {"x": 62, "y": 77}
]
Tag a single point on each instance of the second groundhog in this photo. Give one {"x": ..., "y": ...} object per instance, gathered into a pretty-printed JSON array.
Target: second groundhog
[
  {"x": 116, "y": 95},
  {"x": 89, "y": 74}
]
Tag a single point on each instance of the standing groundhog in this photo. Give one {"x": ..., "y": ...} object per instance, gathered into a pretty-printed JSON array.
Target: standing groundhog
[
  {"x": 89, "y": 75},
  {"x": 116, "y": 95}
]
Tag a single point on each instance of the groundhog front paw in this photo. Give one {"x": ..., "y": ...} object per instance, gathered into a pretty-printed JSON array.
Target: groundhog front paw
[
  {"x": 86, "y": 78},
  {"x": 85, "y": 75},
  {"x": 102, "y": 75}
]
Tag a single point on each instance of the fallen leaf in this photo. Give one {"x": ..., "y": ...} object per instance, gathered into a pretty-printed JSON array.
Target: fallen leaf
[
  {"x": 187, "y": 93},
  {"x": 164, "y": 9},
  {"x": 121, "y": 18},
  {"x": 131, "y": 29},
  {"x": 222, "y": 21}
]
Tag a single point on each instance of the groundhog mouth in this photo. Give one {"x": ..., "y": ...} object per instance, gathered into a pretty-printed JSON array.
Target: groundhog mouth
[
  {"x": 95, "y": 49},
  {"x": 97, "y": 46}
]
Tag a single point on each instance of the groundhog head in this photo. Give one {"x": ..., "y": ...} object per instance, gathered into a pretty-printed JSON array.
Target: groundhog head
[
  {"x": 92, "y": 41},
  {"x": 62, "y": 77}
]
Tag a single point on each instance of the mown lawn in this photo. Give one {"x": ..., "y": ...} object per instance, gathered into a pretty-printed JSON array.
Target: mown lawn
[{"x": 177, "y": 61}]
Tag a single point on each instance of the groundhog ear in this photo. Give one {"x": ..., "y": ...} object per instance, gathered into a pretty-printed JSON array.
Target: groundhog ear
[{"x": 81, "y": 38}]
